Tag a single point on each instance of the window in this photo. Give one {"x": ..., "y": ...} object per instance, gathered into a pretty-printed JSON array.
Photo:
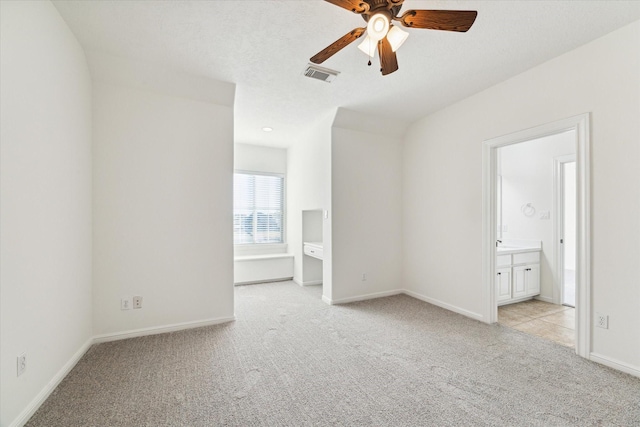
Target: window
[{"x": 258, "y": 208}]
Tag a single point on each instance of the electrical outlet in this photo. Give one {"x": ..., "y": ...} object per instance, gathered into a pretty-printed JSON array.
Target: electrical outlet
[
  {"x": 364, "y": 277},
  {"x": 22, "y": 363},
  {"x": 602, "y": 321},
  {"x": 125, "y": 303},
  {"x": 137, "y": 302}
]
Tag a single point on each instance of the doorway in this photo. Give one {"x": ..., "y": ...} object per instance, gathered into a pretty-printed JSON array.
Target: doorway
[
  {"x": 565, "y": 235},
  {"x": 526, "y": 279},
  {"x": 580, "y": 125}
]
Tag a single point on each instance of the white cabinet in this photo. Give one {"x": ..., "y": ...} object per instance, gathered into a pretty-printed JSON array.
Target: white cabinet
[
  {"x": 532, "y": 279},
  {"x": 519, "y": 290},
  {"x": 313, "y": 249},
  {"x": 503, "y": 284},
  {"x": 517, "y": 277}
]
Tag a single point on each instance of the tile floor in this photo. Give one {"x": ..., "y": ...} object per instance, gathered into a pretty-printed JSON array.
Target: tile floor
[{"x": 550, "y": 321}]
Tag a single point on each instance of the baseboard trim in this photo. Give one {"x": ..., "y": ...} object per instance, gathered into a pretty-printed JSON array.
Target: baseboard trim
[
  {"x": 308, "y": 282},
  {"x": 159, "y": 329},
  {"x": 35, "y": 404},
  {"x": 255, "y": 282},
  {"x": 311, "y": 283},
  {"x": 615, "y": 364},
  {"x": 444, "y": 305},
  {"x": 545, "y": 299},
  {"x": 326, "y": 300},
  {"x": 362, "y": 297}
]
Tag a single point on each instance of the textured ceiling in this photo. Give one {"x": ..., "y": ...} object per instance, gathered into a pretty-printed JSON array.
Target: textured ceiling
[{"x": 263, "y": 47}]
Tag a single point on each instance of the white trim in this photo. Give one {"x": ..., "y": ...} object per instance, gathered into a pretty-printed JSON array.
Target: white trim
[
  {"x": 311, "y": 283},
  {"x": 558, "y": 226},
  {"x": 489, "y": 231},
  {"x": 455, "y": 309},
  {"x": 580, "y": 124},
  {"x": 257, "y": 282},
  {"x": 115, "y": 336},
  {"x": 615, "y": 364},
  {"x": 362, "y": 297},
  {"x": 261, "y": 257},
  {"x": 33, "y": 406},
  {"x": 583, "y": 236},
  {"x": 308, "y": 282},
  {"x": 545, "y": 299},
  {"x": 412, "y": 294}
]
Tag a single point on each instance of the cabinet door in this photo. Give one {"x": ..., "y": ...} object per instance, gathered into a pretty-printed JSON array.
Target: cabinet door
[
  {"x": 519, "y": 281},
  {"x": 532, "y": 279},
  {"x": 503, "y": 284}
]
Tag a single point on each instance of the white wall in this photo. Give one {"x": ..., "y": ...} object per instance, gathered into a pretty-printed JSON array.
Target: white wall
[
  {"x": 257, "y": 158},
  {"x": 443, "y": 173},
  {"x": 366, "y": 197},
  {"x": 163, "y": 171},
  {"x": 309, "y": 188},
  {"x": 45, "y": 199},
  {"x": 527, "y": 177}
]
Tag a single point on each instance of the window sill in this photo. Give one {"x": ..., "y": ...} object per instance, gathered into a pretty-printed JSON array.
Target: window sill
[
  {"x": 261, "y": 257},
  {"x": 260, "y": 249}
]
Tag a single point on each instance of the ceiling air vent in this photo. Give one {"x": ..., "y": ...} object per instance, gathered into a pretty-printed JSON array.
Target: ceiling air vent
[{"x": 320, "y": 73}]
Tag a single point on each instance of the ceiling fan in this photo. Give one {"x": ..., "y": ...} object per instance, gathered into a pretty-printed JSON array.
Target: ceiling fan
[{"x": 386, "y": 37}]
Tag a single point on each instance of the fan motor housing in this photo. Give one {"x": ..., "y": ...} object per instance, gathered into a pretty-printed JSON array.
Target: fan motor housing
[{"x": 376, "y": 6}]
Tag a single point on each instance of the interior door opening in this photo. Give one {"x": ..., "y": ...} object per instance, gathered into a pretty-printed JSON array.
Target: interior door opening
[
  {"x": 534, "y": 211},
  {"x": 528, "y": 215}
]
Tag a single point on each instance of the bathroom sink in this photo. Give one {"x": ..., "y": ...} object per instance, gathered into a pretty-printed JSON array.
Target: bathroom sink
[{"x": 513, "y": 249}]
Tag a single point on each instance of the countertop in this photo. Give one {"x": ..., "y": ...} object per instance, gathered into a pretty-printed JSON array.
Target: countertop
[{"x": 507, "y": 250}]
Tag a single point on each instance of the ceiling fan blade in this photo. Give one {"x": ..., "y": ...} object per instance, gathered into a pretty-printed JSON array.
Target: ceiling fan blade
[
  {"x": 446, "y": 20},
  {"x": 388, "y": 60},
  {"x": 335, "y": 47},
  {"x": 355, "y": 6}
]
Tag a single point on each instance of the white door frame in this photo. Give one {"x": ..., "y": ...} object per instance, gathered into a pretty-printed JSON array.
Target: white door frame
[
  {"x": 490, "y": 147},
  {"x": 558, "y": 224}
]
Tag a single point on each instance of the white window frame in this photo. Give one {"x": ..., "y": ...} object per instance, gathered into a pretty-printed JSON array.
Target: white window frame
[{"x": 268, "y": 247}]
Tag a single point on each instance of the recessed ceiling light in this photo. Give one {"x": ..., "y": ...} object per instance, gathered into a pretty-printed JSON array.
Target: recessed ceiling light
[{"x": 267, "y": 129}]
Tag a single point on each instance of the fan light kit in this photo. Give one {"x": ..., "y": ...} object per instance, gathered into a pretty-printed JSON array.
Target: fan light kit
[
  {"x": 378, "y": 26},
  {"x": 387, "y": 38}
]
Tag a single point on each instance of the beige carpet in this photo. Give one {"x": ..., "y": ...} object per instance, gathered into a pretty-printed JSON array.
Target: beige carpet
[{"x": 291, "y": 360}]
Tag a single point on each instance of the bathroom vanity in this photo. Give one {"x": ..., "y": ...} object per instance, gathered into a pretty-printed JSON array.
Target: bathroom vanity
[{"x": 517, "y": 273}]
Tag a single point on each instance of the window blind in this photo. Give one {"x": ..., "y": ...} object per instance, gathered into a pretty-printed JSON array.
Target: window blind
[{"x": 258, "y": 208}]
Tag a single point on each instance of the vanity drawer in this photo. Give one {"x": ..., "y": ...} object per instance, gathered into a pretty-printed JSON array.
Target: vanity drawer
[
  {"x": 313, "y": 251},
  {"x": 527, "y": 258},
  {"x": 503, "y": 260}
]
